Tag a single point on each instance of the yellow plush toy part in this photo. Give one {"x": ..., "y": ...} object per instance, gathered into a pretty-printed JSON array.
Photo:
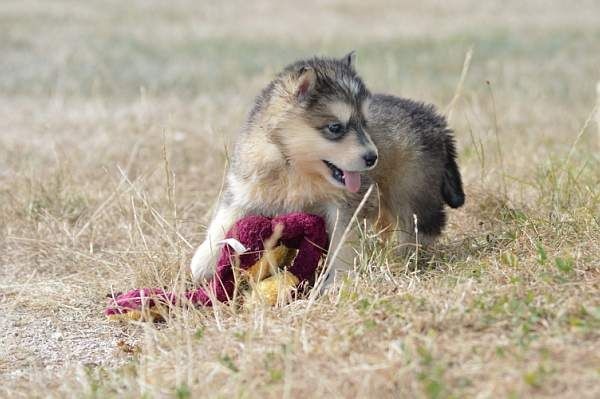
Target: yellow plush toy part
[
  {"x": 275, "y": 289},
  {"x": 271, "y": 285}
]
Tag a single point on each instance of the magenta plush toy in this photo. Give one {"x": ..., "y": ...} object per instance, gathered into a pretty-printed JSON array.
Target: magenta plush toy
[{"x": 268, "y": 243}]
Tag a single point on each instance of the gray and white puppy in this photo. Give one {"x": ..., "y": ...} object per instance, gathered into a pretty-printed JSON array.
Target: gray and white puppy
[{"x": 316, "y": 139}]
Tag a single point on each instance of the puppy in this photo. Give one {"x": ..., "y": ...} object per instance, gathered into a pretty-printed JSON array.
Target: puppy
[{"x": 317, "y": 139}]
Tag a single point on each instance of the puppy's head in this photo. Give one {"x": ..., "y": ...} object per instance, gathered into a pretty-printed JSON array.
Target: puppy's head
[{"x": 319, "y": 107}]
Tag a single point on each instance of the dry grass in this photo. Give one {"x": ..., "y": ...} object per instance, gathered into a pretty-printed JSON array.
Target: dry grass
[{"x": 508, "y": 305}]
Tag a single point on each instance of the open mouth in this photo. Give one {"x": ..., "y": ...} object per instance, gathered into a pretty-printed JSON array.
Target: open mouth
[{"x": 350, "y": 180}]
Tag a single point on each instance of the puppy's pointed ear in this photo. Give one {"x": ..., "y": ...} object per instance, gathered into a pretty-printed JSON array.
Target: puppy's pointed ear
[
  {"x": 350, "y": 59},
  {"x": 307, "y": 79}
]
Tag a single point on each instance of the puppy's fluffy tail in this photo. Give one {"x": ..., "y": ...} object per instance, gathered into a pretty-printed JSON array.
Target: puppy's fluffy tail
[{"x": 452, "y": 190}]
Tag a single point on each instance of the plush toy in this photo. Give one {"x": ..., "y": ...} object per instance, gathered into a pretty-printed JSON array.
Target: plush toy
[{"x": 257, "y": 247}]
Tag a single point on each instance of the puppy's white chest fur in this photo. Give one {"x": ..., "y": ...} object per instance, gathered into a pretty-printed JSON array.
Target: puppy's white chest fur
[{"x": 280, "y": 191}]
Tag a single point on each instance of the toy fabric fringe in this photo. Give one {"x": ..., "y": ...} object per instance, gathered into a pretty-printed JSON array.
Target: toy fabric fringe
[{"x": 297, "y": 240}]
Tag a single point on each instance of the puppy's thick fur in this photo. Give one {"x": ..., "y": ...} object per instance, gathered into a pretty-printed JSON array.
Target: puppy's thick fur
[{"x": 316, "y": 139}]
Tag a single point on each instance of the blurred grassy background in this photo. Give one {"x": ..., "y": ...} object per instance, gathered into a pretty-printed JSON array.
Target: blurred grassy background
[{"x": 92, "y": 92}]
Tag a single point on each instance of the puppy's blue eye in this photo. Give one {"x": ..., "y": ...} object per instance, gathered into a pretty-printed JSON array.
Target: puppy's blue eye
[{"x": 335, "y": 128}]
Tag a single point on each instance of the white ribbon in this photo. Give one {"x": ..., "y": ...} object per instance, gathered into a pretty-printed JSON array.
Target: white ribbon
[{"x": 237, "y": 246}]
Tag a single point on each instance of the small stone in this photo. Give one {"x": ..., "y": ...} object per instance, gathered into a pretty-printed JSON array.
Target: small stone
[{"x": 57, "y": 336}]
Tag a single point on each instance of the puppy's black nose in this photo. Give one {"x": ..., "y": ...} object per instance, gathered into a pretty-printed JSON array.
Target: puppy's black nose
[{"x": 370, "y": 159}]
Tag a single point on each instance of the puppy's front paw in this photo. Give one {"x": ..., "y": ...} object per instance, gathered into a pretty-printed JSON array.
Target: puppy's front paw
[{"x": 203, "y": 262}]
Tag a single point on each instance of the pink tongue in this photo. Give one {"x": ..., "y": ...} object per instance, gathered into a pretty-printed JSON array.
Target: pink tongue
[{"x": 352, "y": 180}]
